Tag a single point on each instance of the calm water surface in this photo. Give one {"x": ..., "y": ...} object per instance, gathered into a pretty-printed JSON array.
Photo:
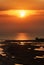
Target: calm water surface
[{"x": 17, "y": 36}]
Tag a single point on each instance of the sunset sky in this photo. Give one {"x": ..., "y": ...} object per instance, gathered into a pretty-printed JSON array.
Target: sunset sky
[
  {"x": 21, "y": 4},
  {"x": 32, "y": 22}
]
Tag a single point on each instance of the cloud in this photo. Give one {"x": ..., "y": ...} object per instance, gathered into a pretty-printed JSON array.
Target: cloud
[{"x": 2, "y": 9}]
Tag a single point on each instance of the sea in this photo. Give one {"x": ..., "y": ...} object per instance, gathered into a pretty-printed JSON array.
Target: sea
[
  {"x": 16, "y": 36},
  {"x": 22, "y": 53}
]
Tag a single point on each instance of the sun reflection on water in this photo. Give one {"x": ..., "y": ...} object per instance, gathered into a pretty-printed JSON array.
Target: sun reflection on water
[{"x": 22, "y": 36}]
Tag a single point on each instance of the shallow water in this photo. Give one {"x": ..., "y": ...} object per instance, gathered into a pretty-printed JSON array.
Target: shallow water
[{"x": 13, "y": 58}]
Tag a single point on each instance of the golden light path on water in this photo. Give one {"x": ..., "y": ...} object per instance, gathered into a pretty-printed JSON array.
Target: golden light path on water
[{"x": 22, "y": 36}]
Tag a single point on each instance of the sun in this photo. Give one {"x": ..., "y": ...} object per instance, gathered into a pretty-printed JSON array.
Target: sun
[{"x": 22, "y": 13}]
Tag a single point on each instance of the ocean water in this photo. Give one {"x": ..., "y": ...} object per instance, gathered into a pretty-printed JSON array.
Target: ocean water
[
  {"x": 16, "y": 36},
  {"x": 13, "y": 60}
]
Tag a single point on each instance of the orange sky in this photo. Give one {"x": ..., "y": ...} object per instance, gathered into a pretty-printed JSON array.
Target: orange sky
[
  {"x": 21, "y": 4},
  {"x": 32, "y": 24}
]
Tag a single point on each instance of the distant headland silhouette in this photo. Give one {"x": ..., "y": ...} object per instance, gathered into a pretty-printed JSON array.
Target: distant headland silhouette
[{"x": 35, "y": 40}]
